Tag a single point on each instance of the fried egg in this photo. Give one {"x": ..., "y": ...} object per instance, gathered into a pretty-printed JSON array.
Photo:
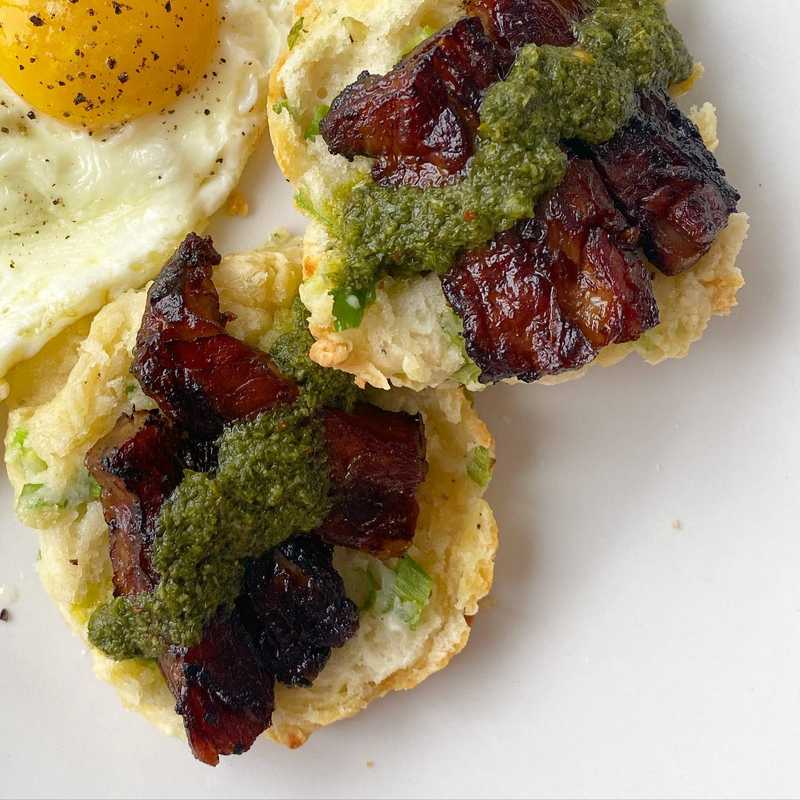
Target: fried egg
[{"x": 123, "y": 125}]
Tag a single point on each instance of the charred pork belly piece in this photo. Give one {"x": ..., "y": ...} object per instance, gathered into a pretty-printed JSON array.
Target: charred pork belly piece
[
  {"x": 545, "y": 296},
  {"x": 515, "y": 23},
  {"x": 612, "y": 299},
  {"x": 200, "y": 376},
  {"x": 668, "y": 183},
  {"x": 377, "y": 464},
  {"x": 137, "y": 470},
  {"x": 296, "y": 608},
  {"x": 419, "y": 120},
  {"x": 223, "y": 691}
]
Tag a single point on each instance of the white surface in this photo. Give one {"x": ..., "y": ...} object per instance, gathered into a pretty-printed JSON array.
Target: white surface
[{"x": 618, "y": 655}]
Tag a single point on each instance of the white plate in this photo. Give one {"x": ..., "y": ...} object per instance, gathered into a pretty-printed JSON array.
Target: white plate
[{"x": 618, "y": 656}]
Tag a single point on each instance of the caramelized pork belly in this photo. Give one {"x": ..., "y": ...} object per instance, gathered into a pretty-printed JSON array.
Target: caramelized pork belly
[
  {"x": 223, "y": 691},
  {"x": 667, "y": 182},
  {"x": 545, "y": 296},
  {"x": 295, "y": 606},
  {"x": 515, "y": 23},
  {"x": 377, "y": 464},
  {"x": 137, "y": 469},
  {"x": 200, "y": 376},
  {"x": 419, "y": 120}
]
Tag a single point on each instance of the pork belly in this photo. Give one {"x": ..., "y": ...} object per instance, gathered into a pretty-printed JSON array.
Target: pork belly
[
  {"x": 200, "y": 376},
  {"x": 667, "y": 182},
  {"x": 419, "y": 120},
  {"x": 377, "y": 464},
  {"x": 545, "y": 296},
  {"x": 222, "y": 690},
  {"x": 514, "y": 23}
]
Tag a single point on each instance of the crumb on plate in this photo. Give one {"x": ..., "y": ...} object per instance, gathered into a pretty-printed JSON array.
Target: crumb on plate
[{"x": 238, "y": 205}]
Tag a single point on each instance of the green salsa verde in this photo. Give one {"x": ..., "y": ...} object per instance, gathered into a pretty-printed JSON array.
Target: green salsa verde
[
  {"x": 552, "y": 94},
  {"x": 272, "y": 482}
]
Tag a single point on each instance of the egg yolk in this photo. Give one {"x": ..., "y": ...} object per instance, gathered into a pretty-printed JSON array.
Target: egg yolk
[{"x": 98, "y": 63}]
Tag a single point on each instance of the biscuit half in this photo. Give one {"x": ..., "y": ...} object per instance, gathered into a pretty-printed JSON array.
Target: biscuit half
[
  {"x": 410, "y": 337},
  {"x": 72, "y": 393}
]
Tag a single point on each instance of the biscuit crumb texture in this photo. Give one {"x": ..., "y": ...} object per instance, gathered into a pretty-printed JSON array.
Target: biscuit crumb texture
[
  {"x": 410, "y": 337},
  {"x": 87, "y": 385}
]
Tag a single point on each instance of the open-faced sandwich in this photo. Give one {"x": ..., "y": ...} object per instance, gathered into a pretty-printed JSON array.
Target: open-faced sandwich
[
  {"x": 500, "y": 189},
  {"x": 248, "y": 542}
]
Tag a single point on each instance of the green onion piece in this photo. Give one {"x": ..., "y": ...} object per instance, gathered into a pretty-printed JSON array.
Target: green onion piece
[
  {"x": 469, "y": 373},
  {"x": 304, "y": 203},
  {"x": 481, "y": 464},
  {"x": 425, "y": 32},
  {"x": 349, "y": 306},
  {"x": 371, "y": 587},
  {"x": 83, "y": 490},
  {"x": 312, "y": 131},
  {"x": 25, "y": 456},
  {"x": 295, "y": 33},
  {"x": 412, "y": 589},
  {"x": 29, "y": 499}
]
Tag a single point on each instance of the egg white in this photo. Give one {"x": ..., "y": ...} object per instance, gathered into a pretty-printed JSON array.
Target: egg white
[{"x": 84, "y": 217}]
